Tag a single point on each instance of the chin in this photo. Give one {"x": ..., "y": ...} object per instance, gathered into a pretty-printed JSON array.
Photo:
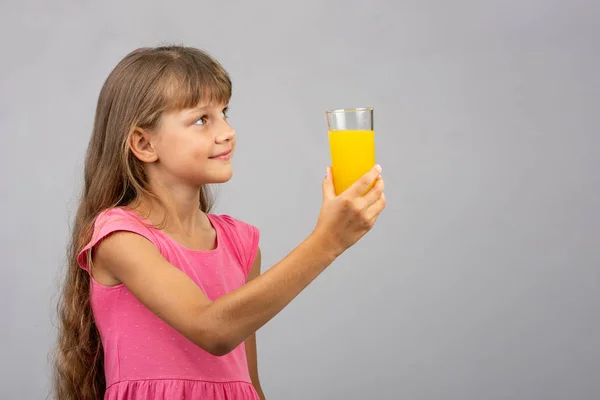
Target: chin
[
  {"x": 212, "y": 177},
  {"x": 221, "y": 178}
]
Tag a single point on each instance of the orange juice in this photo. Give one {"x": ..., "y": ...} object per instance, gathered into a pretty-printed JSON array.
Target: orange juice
[{"x": 352, "y": 155}]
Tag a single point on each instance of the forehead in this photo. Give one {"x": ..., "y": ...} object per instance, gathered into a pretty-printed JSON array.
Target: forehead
[{"x": 181, "y": 93}]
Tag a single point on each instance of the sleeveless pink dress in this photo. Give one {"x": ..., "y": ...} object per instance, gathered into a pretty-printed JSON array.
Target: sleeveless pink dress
[{"x": 144, "y": 358}]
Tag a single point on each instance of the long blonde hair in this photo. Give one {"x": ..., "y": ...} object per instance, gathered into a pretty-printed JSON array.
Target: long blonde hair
[{"x": 146, "y": 83}]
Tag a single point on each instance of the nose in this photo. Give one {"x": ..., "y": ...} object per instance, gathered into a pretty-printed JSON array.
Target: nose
[{"x": 225, "y": 133}]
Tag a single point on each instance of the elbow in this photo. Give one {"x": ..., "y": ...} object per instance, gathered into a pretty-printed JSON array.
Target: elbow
[
  {"x": 220, "y": 349},
  {"x": 214, "y": 340}
]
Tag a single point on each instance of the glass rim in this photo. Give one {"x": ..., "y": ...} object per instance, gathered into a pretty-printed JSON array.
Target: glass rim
[{"x": 349, "y": 110}]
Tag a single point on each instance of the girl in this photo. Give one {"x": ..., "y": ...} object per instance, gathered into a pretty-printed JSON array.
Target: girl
[{"x": 162, "y": 299}]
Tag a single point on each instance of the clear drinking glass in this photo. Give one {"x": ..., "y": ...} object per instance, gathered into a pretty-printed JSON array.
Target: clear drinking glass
[{"x": 351, "y": 144}]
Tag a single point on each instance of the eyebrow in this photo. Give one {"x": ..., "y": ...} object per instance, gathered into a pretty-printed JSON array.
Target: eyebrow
[{"x": 196, "y": 109}]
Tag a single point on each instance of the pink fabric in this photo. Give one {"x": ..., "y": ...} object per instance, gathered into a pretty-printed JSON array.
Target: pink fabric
[{"x": 144, "y": 358}]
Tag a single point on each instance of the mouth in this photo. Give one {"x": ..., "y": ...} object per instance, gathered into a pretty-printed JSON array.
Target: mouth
[{"x": 226, "y": 155}]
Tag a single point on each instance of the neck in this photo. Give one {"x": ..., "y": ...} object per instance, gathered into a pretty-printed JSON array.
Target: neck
[{"x": 179, "y": 208}]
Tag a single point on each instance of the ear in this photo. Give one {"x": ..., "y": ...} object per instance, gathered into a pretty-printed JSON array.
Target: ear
[{"x": 142, "y": 147}]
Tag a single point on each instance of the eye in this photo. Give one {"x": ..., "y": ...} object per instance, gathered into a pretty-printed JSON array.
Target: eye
[
  {"x": 225, "y": 112},
  {"x": 201, "y": 121}
]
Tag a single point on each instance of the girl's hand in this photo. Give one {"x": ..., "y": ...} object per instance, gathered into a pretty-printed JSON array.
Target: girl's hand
[{"x": 344, "y": 219}]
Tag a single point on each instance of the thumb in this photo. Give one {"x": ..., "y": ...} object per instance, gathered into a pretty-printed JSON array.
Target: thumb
[{"x": 328, "y": 189}]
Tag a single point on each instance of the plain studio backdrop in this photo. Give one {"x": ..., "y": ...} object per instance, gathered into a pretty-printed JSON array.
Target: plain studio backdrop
[{"x": 481, "y": 279}]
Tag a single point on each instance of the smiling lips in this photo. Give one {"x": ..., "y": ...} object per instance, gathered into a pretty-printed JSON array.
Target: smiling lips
[{"x": 226, "y": 155}]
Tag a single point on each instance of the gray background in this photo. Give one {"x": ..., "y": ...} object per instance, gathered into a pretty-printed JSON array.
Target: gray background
[{"x": 481, "y": 279}]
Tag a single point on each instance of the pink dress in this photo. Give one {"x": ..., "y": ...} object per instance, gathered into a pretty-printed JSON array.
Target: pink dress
[{"x": 144, "y": 358}]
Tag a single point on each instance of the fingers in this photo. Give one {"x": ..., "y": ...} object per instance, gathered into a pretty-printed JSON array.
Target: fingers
[
  {"x": 359, "y": 187},
  {"x": 374, "y": 193},
  {"x": 328, "y": 188},
  {"x": 375, "y": 209}
]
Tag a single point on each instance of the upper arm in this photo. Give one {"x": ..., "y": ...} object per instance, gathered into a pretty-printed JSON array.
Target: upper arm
[
  {"x": 255, "y": 269},
  {"x": 162, "y": 288},
  {"x": 250, "y": 343}
]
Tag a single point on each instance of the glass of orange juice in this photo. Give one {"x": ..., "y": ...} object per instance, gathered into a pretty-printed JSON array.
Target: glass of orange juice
[{"x": 351, "y": 144}]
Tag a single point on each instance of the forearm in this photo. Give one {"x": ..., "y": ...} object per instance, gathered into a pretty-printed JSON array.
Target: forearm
[{"x": 242, "y": 312}]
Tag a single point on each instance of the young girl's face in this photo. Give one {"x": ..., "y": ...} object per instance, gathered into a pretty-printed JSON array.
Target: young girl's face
[{"x": 195, "y": 146}]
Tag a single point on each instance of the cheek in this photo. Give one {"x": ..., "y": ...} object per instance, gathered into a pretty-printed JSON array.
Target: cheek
[
  {"x": 186, "y": 149},
  {"x": 200, "y": 151}
]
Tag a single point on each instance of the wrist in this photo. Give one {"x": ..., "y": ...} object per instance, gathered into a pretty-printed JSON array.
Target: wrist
[{"x": 324, "y": 246}]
